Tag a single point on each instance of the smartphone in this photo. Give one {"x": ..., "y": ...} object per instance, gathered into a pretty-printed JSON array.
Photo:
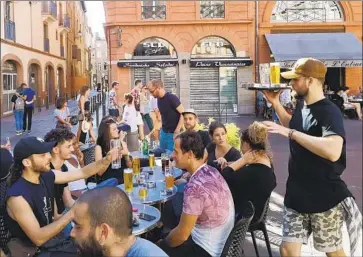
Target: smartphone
[{"x": 146, "y": 217}]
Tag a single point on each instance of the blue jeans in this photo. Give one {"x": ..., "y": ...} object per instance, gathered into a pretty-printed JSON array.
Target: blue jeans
[
  {"x": 18, "y": 115},
  {"x": 166, "y": 140}
]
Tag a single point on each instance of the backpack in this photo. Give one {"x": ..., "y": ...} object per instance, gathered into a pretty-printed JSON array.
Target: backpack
[{"x": 19, "y": 103}]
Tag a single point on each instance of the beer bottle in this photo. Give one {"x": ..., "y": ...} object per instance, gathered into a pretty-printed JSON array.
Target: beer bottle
[{"x": 145, "y": 147}]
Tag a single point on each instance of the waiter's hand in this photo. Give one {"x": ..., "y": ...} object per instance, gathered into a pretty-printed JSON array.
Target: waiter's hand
[{"x": 272, "y": 96}]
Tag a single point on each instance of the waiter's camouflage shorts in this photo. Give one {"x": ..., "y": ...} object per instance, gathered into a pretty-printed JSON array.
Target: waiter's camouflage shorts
[{"x": 326, "y": 228}]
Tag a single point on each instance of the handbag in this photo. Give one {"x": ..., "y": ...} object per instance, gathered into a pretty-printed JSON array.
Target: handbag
[{"x": 74, "y": 120}]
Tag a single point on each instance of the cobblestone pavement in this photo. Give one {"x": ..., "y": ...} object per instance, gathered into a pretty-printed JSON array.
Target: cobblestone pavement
[{"x": 44, "y": 121}]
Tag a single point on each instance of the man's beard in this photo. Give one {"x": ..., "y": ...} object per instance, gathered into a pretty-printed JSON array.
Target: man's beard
[
  {"x": 40, "y": 169},
  {"x": 89, "y": 247}
]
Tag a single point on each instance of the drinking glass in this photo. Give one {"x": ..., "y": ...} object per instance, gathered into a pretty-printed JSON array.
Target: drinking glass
[
  {"x": 164, "y": 162},
  {"x": 275, "y": 73},
  {"x": 116, "y": 157},
  {"x": 152, "y": 160},
  {"x": 143, "y": 192},
  {"x": 128, "y": 181},
  {"x": 136, "y": 165},
  {"x": 169, "y": 180}
]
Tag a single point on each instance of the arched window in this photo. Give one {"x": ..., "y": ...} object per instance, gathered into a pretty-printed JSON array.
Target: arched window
[
  {"x": 213, "y": 47},
  {"x": 154, "y": 46},
  {"x": 307, "y": 11}
]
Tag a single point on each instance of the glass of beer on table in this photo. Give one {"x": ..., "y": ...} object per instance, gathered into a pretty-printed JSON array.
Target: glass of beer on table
[
  {"x": 136, "y": 165},
  {"x": 152, "y": 160},
  {"x": 275, "y": 73},
  {"x": 169, "y": 179},
  {"x": 164, "y": 162},
  {"x": 128, "y": 181},
  {"x": 143, "y": 192}
]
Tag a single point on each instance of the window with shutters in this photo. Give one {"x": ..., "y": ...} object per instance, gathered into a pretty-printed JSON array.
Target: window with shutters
[
  {"x": 79, "y": 55},
  {"x": 74, "y": 51},
  {"x": 211, "y": 9}
]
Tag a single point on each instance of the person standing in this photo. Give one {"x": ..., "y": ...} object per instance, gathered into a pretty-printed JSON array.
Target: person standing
[
  {"x": 18, "y": 109},
  {"x": 171, "y": 111},
  {"x": 135, "y": 92},
  {"x": 84, "y": 106},
  {"x": 155, "y": 117},
  {"x": 29, "y": 95},
  {"x": 113, "y": 109},
  {"x": 316, "y": 199},
  {"x": 145, "y": 108},
  {"x": 62, "y": 114}
]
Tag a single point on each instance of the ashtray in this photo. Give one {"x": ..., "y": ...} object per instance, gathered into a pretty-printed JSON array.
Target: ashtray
[
  {"x": 166, "y": 192},
  {"x": 151, "y": 184}
]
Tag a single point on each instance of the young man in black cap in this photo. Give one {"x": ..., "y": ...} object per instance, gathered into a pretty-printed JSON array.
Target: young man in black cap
[{"x": 30, "y": 203}]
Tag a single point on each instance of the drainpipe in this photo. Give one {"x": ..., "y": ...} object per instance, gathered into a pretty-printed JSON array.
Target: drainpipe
[
  {"x": 257, "y": 62},
  {"x": 31, "y": 24}
]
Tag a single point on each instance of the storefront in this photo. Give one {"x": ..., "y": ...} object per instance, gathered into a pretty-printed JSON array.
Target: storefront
[
  {"x": 339, "y": 52},
  {"x": 213, "y": 76},
  {"x": 9, "y": 73},
  {"x": 154, "y": 58}
]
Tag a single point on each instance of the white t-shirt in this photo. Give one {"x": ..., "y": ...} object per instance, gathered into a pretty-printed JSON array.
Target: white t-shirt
[
  {"x": 78, "y": 184},
  {"x": 130, "y": 117}
]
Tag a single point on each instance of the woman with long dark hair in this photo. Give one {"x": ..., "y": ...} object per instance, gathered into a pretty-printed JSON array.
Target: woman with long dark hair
[
  {"x": 219, "y": 151},
  {"x": 252, "y": 177},
  {"x": 84, "y": 106},
  {"x": 62, "y": 114},
  {"x": 106, "y": 132}
]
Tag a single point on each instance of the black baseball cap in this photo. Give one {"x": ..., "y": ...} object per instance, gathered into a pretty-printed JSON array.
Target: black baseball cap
[{"x": 28, "y": 146}]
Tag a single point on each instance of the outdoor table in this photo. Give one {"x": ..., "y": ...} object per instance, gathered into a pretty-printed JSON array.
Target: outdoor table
[
  {"x": 158, "y": 174},
  {"x": 145, "y": 226},
  {"x": 154, "y": 194},
  {"x": 356, "y": 100}
]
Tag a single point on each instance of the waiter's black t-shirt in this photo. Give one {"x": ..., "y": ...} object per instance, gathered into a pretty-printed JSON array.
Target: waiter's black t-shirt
[
  {"x": 40, "y": 198},
  {"x": 169, "y": 114},
  {"x": 314, "y": 184},
  {"x": 58, "y": 191}
]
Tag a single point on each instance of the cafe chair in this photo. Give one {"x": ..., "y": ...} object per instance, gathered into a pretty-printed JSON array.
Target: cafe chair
[
  {"x": 235, "y": 242},
  {"x": 4, "y": 232},
  {"x": 260, "y": 225},
  {"x": 88, "y": 158}
]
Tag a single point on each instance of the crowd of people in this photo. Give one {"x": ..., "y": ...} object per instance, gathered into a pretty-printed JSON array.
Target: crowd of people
[{"x": 49, "y": 211}]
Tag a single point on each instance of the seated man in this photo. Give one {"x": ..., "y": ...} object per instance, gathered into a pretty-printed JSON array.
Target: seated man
[
  {"x": 30, "y": 203},
  {"x": 190, "y": 124},
  {"x": 208, "y": 208},
  {"x": 105, "y": 228}
]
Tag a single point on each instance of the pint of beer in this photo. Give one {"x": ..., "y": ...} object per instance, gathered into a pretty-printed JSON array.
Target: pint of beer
[
  {"x": 129, "y": 185},
  {"x": 275, "y": 73},
  {"x": 169, "y": 181},
  {"x": 152, "y": 160},
  {"x": 143, "y": 192},
  {"x": 136, "y": 165}
]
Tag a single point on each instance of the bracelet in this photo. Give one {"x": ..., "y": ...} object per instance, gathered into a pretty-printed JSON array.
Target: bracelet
[{"x": 291, "y": 132}]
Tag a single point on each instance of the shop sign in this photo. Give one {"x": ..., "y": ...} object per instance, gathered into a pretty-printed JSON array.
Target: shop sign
[
  {"x": 220, "y": 63},
  {"x": 154, "y": 47},
  {"x": 328, "y": 63},
  {"x": 147, "y": 64}
]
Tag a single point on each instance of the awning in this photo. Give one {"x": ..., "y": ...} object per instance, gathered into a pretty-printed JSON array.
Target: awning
[
  {"x": 160, "y": 63},
  {"x": 220, "y": 62},
  {"x": 335, "y": 49}
]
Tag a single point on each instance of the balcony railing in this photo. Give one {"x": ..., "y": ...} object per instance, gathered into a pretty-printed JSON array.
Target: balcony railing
[
  {"x": 9, "y": 30},
  {"x": 49, "y": 8},
  {"x": 46, "y": 45},
  {"x": 156, "y": 12},
  {"x": 65, "y": 21},
  {"x": 212, "y": 11},
  {"x": 62, "y": 51}
]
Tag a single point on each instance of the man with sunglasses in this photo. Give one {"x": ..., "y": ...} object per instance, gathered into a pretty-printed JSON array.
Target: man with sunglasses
[
  {"x": 316, "y": 197},
  {"x": 171, "y": 111}
]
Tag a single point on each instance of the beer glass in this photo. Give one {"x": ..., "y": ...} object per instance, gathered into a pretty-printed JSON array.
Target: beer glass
[
  {"x": 275, "y": 73},
  {"x": 164, "y": 162},
  {"x": 116, "y": 157},
  {"x": 128, "y": 181},
  {"x": 143, "y": 192},
  {"x": 169, "y": 180},
  {"x": 136, "y": 165},
  {"x": 152, "y": 161}
]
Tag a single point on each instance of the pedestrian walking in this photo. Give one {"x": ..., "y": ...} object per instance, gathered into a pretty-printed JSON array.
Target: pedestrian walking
[
  {"x": 317, "y": 200},
  {"x": 145, "y": 108},
  {"x": 18, "y": 110},
  {"x": 171, "y": 111},
  {"x": 29, "y": 96},
  {"x": 114, "y": 105},
  {"x": 135, "y": 92}
]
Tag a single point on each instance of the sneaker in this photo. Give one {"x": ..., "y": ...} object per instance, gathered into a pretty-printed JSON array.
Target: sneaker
[
  {"x": 18, "y": 133},
  {"x": 24, "y": 131},
  {"x": 29, "y": 131}
]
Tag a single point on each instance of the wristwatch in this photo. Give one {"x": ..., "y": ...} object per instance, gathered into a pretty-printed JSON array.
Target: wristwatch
[{"x": 291, "y": 132}]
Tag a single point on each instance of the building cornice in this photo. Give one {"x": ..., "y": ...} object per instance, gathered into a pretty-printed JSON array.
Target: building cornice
[
  {"x": 31, "y": 49},
  {"x": 164, "y": 22}
]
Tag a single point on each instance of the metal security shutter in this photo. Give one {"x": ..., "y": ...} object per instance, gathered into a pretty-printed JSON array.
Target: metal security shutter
[
  {"x": 228, "y": 89},
  {"x": 170, "y": 79},
  {"x": 154, "y": 73},
  {"x": 140, "y": 73},
  {"x": 204, "y": 90}
]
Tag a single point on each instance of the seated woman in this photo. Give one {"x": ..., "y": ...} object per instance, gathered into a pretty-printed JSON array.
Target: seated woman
[
  {"x": 107, "y": 131},
  {"x": 347, "y": 105},
  {"x": 219, "y": 151},
  {"x": 252, "y": 178}
]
